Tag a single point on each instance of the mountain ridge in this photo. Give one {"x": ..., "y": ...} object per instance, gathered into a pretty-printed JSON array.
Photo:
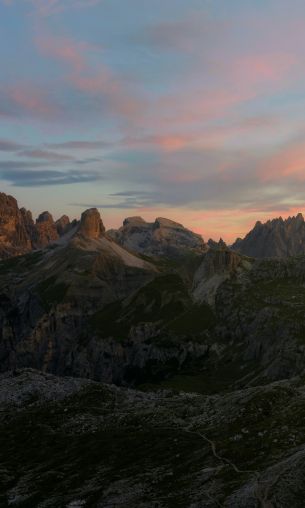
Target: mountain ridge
[{"x": 275, "y": 238}]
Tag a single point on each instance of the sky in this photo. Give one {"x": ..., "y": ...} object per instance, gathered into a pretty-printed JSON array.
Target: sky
[{"x": 191, "y": 110}]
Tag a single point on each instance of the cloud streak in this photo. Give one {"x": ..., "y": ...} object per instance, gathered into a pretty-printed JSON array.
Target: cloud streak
[
  {"x": 51, "y": 7},
  {"x": 45, "y": 155},
  {"x": 10, "y": 146},
  {"x": 20, "y": 178}
]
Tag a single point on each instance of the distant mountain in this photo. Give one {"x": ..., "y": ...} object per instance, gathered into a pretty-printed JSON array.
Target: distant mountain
[
  {"x": 275, "y": 238},
  {"x": 163, "y": 237},
  {"x": 20, "y": 234}
]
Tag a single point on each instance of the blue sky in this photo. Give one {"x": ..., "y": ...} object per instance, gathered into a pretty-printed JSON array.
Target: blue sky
[{"x": 190, "y": 110}]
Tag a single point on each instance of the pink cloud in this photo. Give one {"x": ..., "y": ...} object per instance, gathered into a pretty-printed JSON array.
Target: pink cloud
[
  {"x": 108, "y": 88},
  {"x": 50, "y": 7},
  {"x": 46, "y": 155},
  {"x": 243, "y": 79},
  {"x": 287, "y": 162},
  {"x": 254, "y": 69},
  {"x": 31, "y": 100},
  {"x": 96, "y": 80},
  {"x": 166, "y": 142},
  {"x": 199, "y": 106},
  {"x": 65, "y": 50},
  {"x": 207, "y": 137}
]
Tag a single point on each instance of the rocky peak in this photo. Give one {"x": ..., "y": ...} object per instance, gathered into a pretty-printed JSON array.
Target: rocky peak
[
  {"x": 91, "y": 224},
  {"x": 217, "y": 245},
  {"x": 7, "y": 202},
  {"x": 45, "y": 217},
  {"x": 163, "y": 237},
  {"x": 133, "y": 221},
  {"x": 28, "y": 223},
  {"x": 160, "y": 222},
  {"x": 275, "y": 238},
  {"x": 27, "y": 215},
  {"x": 45, "y": 230},
  {"x": 14, "y": 238},
  {"x": 62, "y": 225}
]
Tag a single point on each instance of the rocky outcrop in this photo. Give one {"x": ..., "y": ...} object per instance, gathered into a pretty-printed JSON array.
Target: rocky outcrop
[
  {"x": 274, "y": 238},
  {"x": 216, "y": 245},
  {"x": 45, "y": 231},
  {"x": 63, "y": 225},
  {"x": 14, "y": 235},
  {"x": 163, "y": 237},
  {"x": 91, "y": 224},
  {"x": 218, "y": 265},
  {"x": 28, "y": 221},
  {"x": 18, "y": 232}
]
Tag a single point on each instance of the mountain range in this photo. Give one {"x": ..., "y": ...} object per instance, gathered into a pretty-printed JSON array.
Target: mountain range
[
  {"x": 20, "y": 234},
  {"x": 274, "y": 238},
  {"x": 156, "y": 369}
]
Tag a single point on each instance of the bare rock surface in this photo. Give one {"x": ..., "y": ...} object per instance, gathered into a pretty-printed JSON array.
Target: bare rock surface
[
  {"x": 14, "y": 237},
  {"x": 45, "y": 231},
  {"x": 274, "y": 238},
  {"x": 63, "y": 225},
  {"x": 91, "y": 224},
  {"x": 163, "y": 237}
]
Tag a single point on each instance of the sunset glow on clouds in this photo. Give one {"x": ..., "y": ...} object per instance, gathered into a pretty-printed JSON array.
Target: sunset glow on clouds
[{"x": 189, "y": 110}]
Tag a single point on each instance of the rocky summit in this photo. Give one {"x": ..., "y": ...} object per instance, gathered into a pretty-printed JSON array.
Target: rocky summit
[
  {"x": 274, "y": 238},
  {"x": 91, "y": 224},
  {"x": 63, "y": 225},
  {"x": 14, "y": 237},
  {"x": 45, "y": 231},
  {"x": 163, "y": 237},
  {"x": 152, "y": 369}
]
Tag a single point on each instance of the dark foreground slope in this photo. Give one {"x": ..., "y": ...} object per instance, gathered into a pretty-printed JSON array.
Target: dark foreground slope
[{"x": 67, "y": 442}]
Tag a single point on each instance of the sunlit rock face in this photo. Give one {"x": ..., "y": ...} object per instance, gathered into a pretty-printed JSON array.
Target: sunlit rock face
[
  {"x": 91, "y": 224},
  {"x": 14, "y": 237}
]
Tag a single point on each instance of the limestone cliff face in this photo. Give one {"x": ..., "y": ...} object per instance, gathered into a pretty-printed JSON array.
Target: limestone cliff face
[
  {"x": 275, "y": 238},
  {"x": 163, "y": 237},
  {"x": 14, "y": 237},
  {"x": 29, "y": 224},
  {"x": 19, "y": 233},
  {"x": 45, "y": 231},
  {"x": 91, "y": 224},
  {"x": 218, "y": 265}
]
